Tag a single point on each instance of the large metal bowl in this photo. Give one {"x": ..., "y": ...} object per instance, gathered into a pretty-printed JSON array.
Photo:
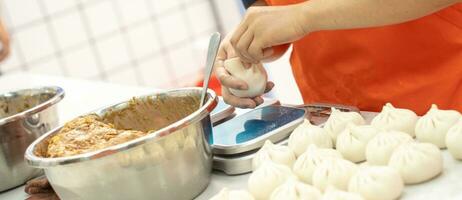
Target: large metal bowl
[
  {"x": 25, "y": 115},
  {"x": 174, "y": 162}
]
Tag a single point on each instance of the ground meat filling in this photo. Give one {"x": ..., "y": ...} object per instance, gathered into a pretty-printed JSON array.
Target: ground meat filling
[{"x": 85, "y": 134}]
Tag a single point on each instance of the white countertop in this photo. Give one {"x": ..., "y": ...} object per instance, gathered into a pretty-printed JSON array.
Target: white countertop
[{"x": 83, "y": 96}]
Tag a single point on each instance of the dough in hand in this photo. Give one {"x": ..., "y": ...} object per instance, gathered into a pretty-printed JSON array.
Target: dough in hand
[
  {"x": 395, "y": 119},
  {"x": 417, "y": 162},
  {"x": 380, "y": 148},
  {"x": 433, "y": 126},
  {"x": 333, "y": 193},
  {"x": 255, "y": 77},
  {"x": 351, "y": 142},
  {"x": 334, "y": 172},
  {"x": 295, "y": 190},
  {"x": 226, "y": 194},
  {"x": 266, "y": 178},
  {"x": 338, "y": 120},
  {"x": 308, "y": 161},
  {"x": 277, "y": 153},
  {"x": 306, "y": 134},
  {"x": 377, "y": 183},
  {"x": 454, "y": 140}
]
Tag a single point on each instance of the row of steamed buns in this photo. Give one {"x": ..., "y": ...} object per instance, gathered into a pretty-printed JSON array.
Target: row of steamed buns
[{"x": 309, "y": 166}]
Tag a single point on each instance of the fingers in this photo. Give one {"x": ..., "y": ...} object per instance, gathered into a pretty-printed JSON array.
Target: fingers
[
  {"x": 230, "y": 81},
  {"x": 237, "y": 101},
  {"x": 258, "y": 100},
  {"x": 269, "y": 86},
  {"x": 243, "y": 45}
]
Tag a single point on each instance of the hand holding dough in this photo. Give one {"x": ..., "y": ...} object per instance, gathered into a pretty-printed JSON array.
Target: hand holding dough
[{"x": 255, "y": 77}]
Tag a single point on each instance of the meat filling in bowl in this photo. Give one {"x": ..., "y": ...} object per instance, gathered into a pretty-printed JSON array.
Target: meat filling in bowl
[
  {"x": 86, "y": 134},
  {"x": 119, "y": 124}
]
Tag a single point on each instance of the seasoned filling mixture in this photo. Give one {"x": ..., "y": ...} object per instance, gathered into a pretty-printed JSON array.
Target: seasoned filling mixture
[{"x": 85, "y": 134}]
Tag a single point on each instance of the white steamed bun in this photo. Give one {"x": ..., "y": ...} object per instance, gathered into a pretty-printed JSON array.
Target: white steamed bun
[
  {"x": 266, "y": 178},
  {"x": 417, "y": 162},
  {"x": 277, "y": 153},
  {"x": 338, "y": 120},
  {"x": 255, "y": 77},
  {"x": 307, "y": 134},
  {"x": 226, "y": 194},
  {"x": 335, "y": 172},
  {"x": 295, "y": 190},
  {"x": 397, "y": 119},
  {"x": 377, "y": 183},
  {"x": 380, "y": 148},
  {"x": 454, "y": 140},
  {"x": 351, "y": 142},
  {"x": 308, "y": 161},
  {"x": 333, "y": 193},
  {"x": 433, "y": 126}
]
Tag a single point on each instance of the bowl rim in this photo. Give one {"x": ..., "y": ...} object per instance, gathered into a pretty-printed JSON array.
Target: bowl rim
[
  {"x": 59, "y": 95},
  {"x": 41, "y": 162}
]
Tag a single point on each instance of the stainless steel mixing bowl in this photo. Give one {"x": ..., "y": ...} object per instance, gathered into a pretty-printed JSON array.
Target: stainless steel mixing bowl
[
  {"x": 174, "y": 162},
  {"x": 25, "y": 115}
]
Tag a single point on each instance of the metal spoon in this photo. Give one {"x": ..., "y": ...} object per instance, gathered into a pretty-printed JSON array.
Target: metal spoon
[{"x": 212, "y": 51}]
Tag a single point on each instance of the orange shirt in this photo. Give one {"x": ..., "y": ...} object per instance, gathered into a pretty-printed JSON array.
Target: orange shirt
[{"x": 411, "y": 65}]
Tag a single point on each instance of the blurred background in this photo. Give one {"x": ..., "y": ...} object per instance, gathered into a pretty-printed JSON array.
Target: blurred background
[{"x": 146, "y": 43}]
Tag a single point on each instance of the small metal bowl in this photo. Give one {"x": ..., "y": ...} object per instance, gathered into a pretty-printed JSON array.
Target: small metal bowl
[
  {"x": 173, "y": 162},
  {"x": 25, "y": 115}
]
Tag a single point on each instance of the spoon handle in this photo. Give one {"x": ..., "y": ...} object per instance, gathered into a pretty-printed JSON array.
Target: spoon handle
[{"x": 212, "y": 51}]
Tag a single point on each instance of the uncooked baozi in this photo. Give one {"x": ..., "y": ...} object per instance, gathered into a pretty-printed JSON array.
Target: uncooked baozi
[
  {"x": 338, "y": 120},
  {"x": 335, "y": 172},
  {"x": 351, "y": 142},
  {"x": 395, "y": 119},
  {"x": 454, "y": 140},
  {"x": 277, "y": 153},
  {"x": 380, "y": 148},
  {"x": 266, "y": 178},
  {"x": 226, "y": 194},
  {"x": 308, "y": 161},
  {"x": 255, "y": 77},
  {"x": 295, "y": 190},
  {"x": 433, "y": 126},
  {"x": 417, "y": 162},
  {"x": 307, "y": 134},
  {"x": 333, "y": 193},
  {"x": 377, "y": 183}
]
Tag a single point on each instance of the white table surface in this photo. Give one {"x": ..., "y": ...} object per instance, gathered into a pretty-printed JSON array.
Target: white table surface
[{"x": 83, "y": 96}]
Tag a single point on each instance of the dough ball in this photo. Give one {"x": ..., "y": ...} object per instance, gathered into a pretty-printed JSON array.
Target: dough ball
[
  {"x": 417, "y": 162},
  {"x": 454, "y": 140},
  {"x": 380, "y": 148},
  {"x": 333, "y": 193},
  {"x": 377, "y": 183},
  {"x": 433, "y": 126},
  {"x": 308, "y": 161},
  {"x": 306, "y": 134},
  {"x": 351, "y": 142},
  {"x": 295, "y": 190},
  {"x": 397, "y": 119},
  {"x": 338, "y": 121},
  {"x": 266, "y": 178},
  {"x": 255, "y": 77},
  {"x": 277, "y": 153},
  {"x": 226, "y": 194},
  {"x": 334, "y": 172}
]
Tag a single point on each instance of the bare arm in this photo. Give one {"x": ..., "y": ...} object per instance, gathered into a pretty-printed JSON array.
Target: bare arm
[
  {"x": 268, "y": 26},
  {"x": 347, "y": 14}
]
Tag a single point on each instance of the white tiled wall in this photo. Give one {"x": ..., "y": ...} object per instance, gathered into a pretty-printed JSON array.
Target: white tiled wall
[{"x": 154, "y": 43}]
